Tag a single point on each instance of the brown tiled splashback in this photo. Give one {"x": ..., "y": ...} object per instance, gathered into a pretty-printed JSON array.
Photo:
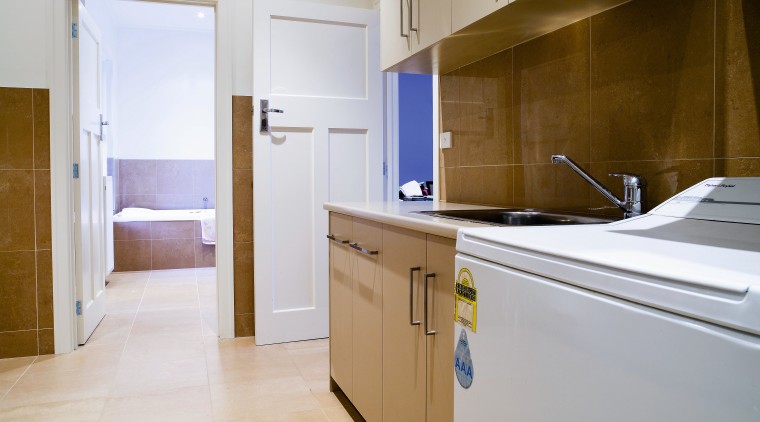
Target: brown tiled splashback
[
  {"x": 165, "y": 184},
  {"x": 668, "y": 90},
  {"x": 26, "y": 278}
]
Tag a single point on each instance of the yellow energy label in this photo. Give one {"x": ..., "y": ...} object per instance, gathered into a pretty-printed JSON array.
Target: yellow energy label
[{"x": 466, "y": 300}]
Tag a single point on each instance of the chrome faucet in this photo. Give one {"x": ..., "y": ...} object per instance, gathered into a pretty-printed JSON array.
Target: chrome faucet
[{"x": 634, "y": 200}]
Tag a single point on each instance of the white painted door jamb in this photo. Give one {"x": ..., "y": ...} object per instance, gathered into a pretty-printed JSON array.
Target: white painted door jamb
[{"x": 60, "y": 18}]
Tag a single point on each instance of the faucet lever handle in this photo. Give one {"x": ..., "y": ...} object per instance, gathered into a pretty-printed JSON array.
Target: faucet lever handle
[{"x": 630, "y": 179}]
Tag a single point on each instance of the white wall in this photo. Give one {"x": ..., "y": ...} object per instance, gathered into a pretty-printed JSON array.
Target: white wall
[
  {"x": 24, "y": 38},
  {"x": 165, "y": 94}
]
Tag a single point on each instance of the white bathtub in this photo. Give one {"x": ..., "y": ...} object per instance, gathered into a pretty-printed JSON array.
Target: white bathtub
[{"x": 144, "y": 214}]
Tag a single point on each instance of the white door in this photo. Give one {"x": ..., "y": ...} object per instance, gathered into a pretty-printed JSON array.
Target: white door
[
  {"x": 89, "y": 187},
  {"x": 320, "y": 65}
]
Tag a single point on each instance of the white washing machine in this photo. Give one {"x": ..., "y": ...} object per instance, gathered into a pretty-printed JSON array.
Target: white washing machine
[{"x": 655, "y": 318}]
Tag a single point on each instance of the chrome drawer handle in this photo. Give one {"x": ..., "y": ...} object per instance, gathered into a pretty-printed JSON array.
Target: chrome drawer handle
[
  {"x": 428, "y": 276},
  {"x": 411, "y": 295},
  {"x": 362, "y": 250},
  {"x": 336, "y": 240}
]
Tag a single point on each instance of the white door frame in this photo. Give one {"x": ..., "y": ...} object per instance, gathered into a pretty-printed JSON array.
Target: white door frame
[
  {"x": 59, "y": 17},
  {"x": 392, "y": 136}
]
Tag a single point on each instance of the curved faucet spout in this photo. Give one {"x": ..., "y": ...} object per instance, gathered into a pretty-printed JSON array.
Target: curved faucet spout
[{"x": 634, "y": 201}]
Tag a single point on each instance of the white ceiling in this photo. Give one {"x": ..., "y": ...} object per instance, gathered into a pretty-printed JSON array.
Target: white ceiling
[{"x": 153, "y": 15}]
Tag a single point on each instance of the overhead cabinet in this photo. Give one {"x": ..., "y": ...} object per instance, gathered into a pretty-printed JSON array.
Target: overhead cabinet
[
  {"x": 465, "y": 12},
  {"x": 410, "y": 26},
  {"x": 429, "y": 36}
]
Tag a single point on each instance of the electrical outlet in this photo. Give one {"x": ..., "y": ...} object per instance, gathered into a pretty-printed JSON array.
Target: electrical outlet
[{"x": 445, "y": 140}]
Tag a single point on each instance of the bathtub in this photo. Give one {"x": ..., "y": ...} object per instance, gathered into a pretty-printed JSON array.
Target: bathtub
[
  {"x": 145, "y": 214},
  {"x": 146, "y": 239}
]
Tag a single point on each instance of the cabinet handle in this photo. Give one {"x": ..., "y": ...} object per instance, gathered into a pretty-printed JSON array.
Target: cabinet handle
[
  {"x": 336, "y": 240},
  {"x": 362, "y": 250},
  {"x": 401, "y": 14},
  {"x": 411, "y": 296},
  {"x": 428, "y": 276},
  {"x": 411, "y": 15}
]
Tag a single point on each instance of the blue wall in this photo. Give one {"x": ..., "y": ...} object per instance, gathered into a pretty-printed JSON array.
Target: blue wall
[{"x": 415, "y": 127}]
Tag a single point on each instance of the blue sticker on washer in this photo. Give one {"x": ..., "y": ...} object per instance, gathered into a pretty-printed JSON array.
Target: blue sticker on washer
[{"x": 463, "y": 361}]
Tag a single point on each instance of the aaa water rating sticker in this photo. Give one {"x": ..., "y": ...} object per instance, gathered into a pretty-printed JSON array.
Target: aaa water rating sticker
[
  {"x": 466, "y": 306},
  {"x": 463, "y": 361}
]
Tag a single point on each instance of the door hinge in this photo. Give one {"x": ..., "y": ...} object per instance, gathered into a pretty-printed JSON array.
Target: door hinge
[
  {"x": 76, "y": 171},
  {"x": 79, "y": 307},
  {"x": 74, "y": 30},
  {"x": 385, "y": 168}
]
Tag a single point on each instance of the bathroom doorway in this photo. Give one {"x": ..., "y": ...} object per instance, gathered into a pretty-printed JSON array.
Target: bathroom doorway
[{"x": 156, "y": 67}]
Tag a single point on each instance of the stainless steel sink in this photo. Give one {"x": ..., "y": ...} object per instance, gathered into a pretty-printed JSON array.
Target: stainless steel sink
[{"x": 521, "y": 217}]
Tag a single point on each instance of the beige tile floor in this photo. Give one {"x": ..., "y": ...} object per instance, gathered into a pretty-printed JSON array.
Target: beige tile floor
[{"x": 156, "y": 357}]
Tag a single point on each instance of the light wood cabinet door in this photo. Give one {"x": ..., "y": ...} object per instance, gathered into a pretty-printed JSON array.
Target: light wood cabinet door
[
  {"x": 368, "y": 319},
  {"x": 395, "y": 39},
  {"x": 404, "y": 350},
  {"x": 440, "y": 347},
  {"x": 465, "y": 12},
  {"x": 433, "y": 22},
  {"x": 341, "y": 303}
]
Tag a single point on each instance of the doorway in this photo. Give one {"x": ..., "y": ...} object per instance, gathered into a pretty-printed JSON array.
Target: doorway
[{"x": 151, "y": 66}]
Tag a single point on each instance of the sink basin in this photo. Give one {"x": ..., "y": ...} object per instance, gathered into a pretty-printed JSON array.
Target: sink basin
[{"x": 521, "y": 217}]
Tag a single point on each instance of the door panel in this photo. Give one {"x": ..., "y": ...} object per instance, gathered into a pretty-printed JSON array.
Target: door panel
[
  {"x": 368, "y": 320},
  {"x": 403, "y": 343},
  {"x": 319, "y": 64},
  {"x": 341, "y": 304},
  {"x": 89, "y": 188},
  {"x": 433, "y": 18},
  {"x": 440, "y": 373}
]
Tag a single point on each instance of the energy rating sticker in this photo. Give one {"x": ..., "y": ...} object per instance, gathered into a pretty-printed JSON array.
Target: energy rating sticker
[{"x": 466, "y": 300}]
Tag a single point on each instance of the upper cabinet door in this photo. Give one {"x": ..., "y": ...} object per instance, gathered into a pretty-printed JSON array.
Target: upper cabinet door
[
  {"x": 395, "y": 24},
  {"x": 465, "y": 12},
  {"x": 431, "y": 22}
]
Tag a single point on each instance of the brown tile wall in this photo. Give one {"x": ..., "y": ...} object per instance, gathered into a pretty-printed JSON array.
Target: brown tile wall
[
  {"x": 668, "y": 90},
  {"x": 242, "y": 193},
  {"x": 26, "y": 275},
  {"x": 160, "y": 245},
  {"x": 164, "y": 184}
]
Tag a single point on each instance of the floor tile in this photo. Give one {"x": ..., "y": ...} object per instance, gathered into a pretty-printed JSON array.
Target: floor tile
[{"x": 156, "y": 357}]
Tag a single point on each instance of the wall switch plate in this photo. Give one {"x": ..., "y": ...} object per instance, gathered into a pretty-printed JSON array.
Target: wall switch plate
[{"x": 445, "y": 140}]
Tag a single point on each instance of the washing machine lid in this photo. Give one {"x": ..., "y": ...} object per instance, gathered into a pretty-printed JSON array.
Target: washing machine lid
[
  {"x": 703, "y": 261},
  {"x": 730, "y": 199}
]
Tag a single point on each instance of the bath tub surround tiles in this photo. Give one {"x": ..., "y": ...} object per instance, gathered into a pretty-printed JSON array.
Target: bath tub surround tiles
[
  {"x": 205, "y": 255},
  {"x": 172, "y": 230},
  {"x": 166, "y": 184},
  {"x": 661, "y": 89},
  {"x": 132, "y": 255},
  {"x": 172, "y": 253},
  {"x": 26, "y": 282},
  {"x": 137, "y": 177},
  {"x": 242, "y": 220},
  {"x": 155, "y": 245},
  {"x": 132, "y": 230}
]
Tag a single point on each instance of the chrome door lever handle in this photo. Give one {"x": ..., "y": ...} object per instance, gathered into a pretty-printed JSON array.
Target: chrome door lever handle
[{"x": 263, "y": 114}]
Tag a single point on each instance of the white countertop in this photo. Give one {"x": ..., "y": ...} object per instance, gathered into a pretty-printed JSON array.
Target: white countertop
[{"x": 401, "y": 214}]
